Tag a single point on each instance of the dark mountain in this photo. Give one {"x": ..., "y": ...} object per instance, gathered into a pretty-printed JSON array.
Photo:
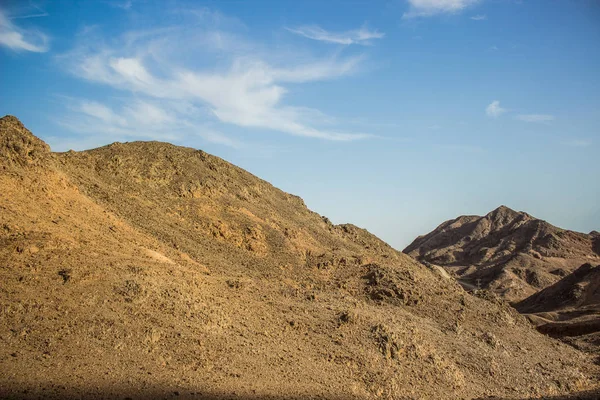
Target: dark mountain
[
  {"x": 508, "y": 252},
  {"x": 569, "y": 309}
]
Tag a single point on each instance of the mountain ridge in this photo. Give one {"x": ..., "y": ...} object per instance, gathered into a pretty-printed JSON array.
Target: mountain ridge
[{"x": 509, "y": 252}]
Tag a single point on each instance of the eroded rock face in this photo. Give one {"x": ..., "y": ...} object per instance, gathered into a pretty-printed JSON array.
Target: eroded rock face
[
  {"x": 18, "y": 145},
  {"x": 509, "y": 252},
  {"x": 386, "y": 284},
  {"x": 579, "y": 290},
  {"x": 569, "y": 309},
  {"x": 150, "y": 269}
]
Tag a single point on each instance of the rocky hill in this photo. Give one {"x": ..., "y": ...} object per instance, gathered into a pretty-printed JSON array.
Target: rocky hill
[
  {"x": 145, "y": 270},
  {"x": 509, "y": 252},
  {"x": 569, "y": 309}
]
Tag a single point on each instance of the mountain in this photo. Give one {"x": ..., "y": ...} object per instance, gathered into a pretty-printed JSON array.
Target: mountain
[
  {"x": 145, "y": 270},
  {"x": 509, "y": 252},
  {"x": 578, "y": 290},
  {"x": 569, "y": 309}
]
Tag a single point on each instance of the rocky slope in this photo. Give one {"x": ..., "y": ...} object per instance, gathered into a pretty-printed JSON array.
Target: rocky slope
[
  {"x": 569, "y": 309},
  {"x": 509, "y": 252},
  {"x": 146, "y": 270}
]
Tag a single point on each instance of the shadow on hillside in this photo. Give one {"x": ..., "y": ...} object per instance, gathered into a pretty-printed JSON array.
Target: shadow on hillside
[
  {"x": 596, "y": 245},
  {"x": 586, "y": 395},
  {"x": 66, "y": 393},
  {"x": 62, "y": 392}
]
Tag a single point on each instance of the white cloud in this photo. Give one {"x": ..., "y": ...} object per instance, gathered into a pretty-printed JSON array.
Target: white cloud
[
  {"x": 125, "y": 5},
  {"x": 19, "y": 39},
  {"x": 535, "y": 117},
  {"x": 359, "y": 36},
  {"x": 462, "y": 148},
  {"x": 494, "y": 110},
  {"x": 102, "y": 113},
  {"x": 31, "y": 11},
  {"x": 578, "y": 143},
  {"x": 142, "y": 112},
  {"x": 239, "y": 87},
  {"x": 480, "y": 17},
  {"x": 131, "y": 69},
  {"x": 136, "y": 120},
  {"x": 428, "y": 8}
]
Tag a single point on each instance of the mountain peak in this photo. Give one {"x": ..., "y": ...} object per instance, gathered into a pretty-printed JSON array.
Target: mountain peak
[
  {"x": 503, "y": 211},
  {"x": 510, "y": 252},
  {"x": 503, "y": 208},
  {"x": 18, "y": 145}
]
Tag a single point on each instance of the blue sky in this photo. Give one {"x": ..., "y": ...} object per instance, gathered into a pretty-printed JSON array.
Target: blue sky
[{"x": 393, "y": 115}]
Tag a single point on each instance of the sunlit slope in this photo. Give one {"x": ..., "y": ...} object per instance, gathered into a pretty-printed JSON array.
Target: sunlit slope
[{"x": 146, "y": 270}]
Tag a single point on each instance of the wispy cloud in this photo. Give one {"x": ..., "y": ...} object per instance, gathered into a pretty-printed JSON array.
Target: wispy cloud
[
  {"x": 20, "y": 39},
  {"x": 494, "y": 110},
  {"x": 125, "y": 5},
  {"x": 33, "y": 11},
  {"x": 233, "y": 85},
  {"x": 480, "y": 17},
  {"x": 535, "y": 117},
  {"x": 462, "y": 148},
  {"x": 578, "y": 143},
  {"x": 361, "y": 36},
  {"x": 428, "y": 8},
  {"x": 137, "y": 120}
]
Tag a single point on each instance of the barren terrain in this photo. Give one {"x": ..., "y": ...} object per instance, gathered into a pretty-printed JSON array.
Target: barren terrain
[
  {"x": 569, "y": 309},
  {"x": 510, "y": 253},
  {"x": 143, "y": 270}
]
